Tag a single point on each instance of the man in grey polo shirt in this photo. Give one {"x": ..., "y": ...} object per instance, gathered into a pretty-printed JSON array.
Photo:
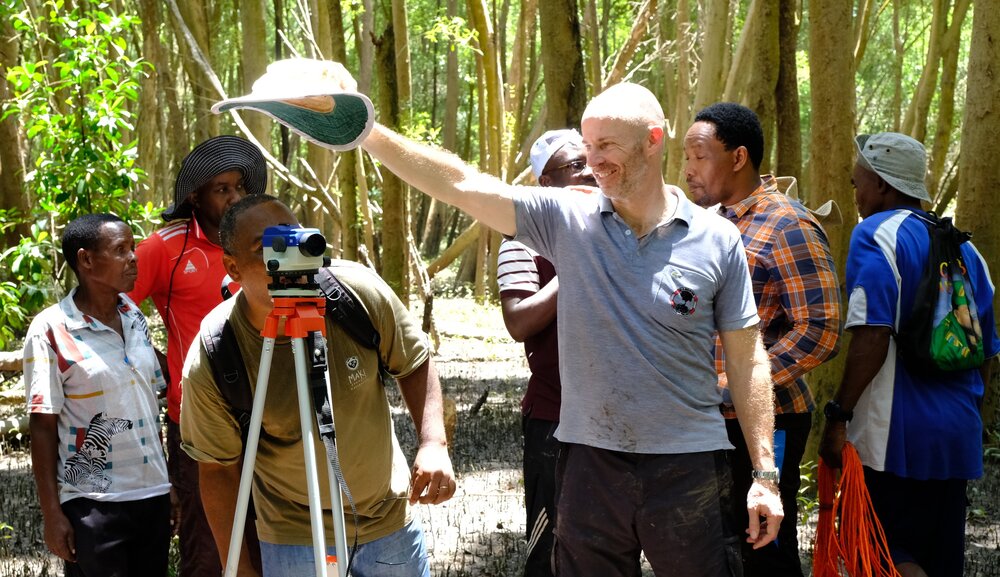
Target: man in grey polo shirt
[{"x": 647, "y": 280}]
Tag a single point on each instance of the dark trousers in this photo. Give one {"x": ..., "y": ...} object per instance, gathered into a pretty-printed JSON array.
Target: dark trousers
[
  {"x": 119, "y": 539},
  {"x": 673, "y": 508},
  {"x": 923, "y": 520},
  {"x": 780, "y": 557},
  {"x": 541, "y": 451},
  {"x": 199, "y": 555}
]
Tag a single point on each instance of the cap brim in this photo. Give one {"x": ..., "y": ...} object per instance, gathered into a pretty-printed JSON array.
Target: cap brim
[
  {"x": 917, "y": 190},
  {"x": 342, "y": 126}
]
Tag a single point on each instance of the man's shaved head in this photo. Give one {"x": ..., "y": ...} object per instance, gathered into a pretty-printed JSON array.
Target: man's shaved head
[{"x": 629, "y": 103}]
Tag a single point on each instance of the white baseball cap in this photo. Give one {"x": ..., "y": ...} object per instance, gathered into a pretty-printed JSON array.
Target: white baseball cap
[{"x": 549, "y": 144}]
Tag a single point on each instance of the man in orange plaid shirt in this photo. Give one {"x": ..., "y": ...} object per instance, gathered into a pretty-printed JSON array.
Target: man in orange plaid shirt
[{"x": 798, "y": 301}]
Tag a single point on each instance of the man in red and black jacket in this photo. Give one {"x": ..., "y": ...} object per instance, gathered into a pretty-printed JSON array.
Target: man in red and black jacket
[{"x": 180, "y": 268}]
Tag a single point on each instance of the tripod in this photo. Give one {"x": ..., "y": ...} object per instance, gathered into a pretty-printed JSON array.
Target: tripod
[{"x": 304, "y": 321}]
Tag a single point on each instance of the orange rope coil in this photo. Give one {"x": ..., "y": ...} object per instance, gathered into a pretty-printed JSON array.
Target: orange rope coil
[{"x": 856, "y": 546}]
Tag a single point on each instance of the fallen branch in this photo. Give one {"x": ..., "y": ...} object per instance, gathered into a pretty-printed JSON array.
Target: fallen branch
[{"x": 10, "y": 361}]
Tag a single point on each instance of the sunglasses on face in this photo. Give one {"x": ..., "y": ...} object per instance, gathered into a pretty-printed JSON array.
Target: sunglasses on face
[{"x": 576, "y": 165}]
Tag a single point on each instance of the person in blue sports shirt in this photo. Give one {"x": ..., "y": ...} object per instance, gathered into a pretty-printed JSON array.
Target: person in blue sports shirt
[{"x": 919, "y": 436}]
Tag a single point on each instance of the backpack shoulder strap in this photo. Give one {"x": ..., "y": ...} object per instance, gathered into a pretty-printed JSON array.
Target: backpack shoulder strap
[
  {"x": 347, "y": 311},
  {"x": 228, "y": 369}
]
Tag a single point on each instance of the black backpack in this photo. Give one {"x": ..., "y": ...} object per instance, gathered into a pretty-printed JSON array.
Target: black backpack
[
  {"x": 227, "y": 362},
  {"x": 942, "y": 332}
]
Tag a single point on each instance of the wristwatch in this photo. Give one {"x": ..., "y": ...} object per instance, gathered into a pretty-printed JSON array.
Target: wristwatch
[
  {"x": 834, "y": 412},
  {"x": 769, "y": 475}
]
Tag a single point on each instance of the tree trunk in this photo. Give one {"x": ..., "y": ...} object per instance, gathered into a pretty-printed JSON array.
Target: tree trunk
[
  {"x": 403, "y": 82},
  {"x": 148, "y": 122},
  {"x": 713, "y": 24},
  {"x": 12, "y": 191},
  {"x": 493, "y": 131},
  {"x": 457, "y": 248},
  {"x": 899, "y": 52},
  {"x": 520, "y": 101},
  {"x": 364, "y": 32},
  {"x": 179, "y": 140},
  {"x": 253, "y": 61},
  {"x": 565, "y": 88},
  {"x": 593, "y": 42},
  {"x": 946, "y": 96},
  {"x": 196, "y": 19},
  {"x": 682, "y": 111},
  {"x": 320, "y": 159},
  {"x": 395, "y": 262},
  {"x": 788, "y": 135},
  {"x": 738, "y": 70},
  {"x": 434, "y": 229},
  {"x": 915, "y": 122},
  {"x": 764, "y": 62},
  {"x": 644, "y": 16},
  {"x": 831, "y": 77},
  {"x": 979, "y": 172},
  {"x": 404, "y": 92},
  {"x": 347, "y": 180},
  {"x": 862, "y": 32},
  {"x": 668, "y": 44}
]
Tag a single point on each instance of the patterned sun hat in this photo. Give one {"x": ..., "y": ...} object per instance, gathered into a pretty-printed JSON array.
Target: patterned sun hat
[{"x": 213, "y": 157}]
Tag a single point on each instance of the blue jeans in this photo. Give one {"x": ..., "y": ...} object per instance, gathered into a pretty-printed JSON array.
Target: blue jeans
[{"x": 400, "y": 554}]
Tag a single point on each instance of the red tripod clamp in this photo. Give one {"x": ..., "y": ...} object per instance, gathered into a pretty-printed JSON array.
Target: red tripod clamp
[{"x": 303, "y": 315}]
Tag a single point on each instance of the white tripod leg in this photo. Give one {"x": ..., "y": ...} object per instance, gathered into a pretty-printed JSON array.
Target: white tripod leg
[
  {"x": 249, "y": 457},
  {"x": 309, "y": 450},
  {"x": 336, "y": 500}
]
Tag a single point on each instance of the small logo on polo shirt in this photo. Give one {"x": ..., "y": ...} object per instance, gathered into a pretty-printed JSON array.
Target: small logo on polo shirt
[
  {"x": 685, "y": 301},
  {"x": 358, "y": 375},
  {"x": 190, "y": 268}
]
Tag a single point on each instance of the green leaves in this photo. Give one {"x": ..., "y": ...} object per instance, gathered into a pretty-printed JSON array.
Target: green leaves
[{"x": 75, "y": 112}]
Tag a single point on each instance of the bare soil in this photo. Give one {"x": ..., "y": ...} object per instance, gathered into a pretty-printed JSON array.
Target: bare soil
[{"x": 480, "y": 532}]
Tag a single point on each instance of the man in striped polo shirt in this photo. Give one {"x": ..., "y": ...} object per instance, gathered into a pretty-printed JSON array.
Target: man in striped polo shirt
[
  {"x": 528, "y": 288},
  {"x": 180, "y": 268}
]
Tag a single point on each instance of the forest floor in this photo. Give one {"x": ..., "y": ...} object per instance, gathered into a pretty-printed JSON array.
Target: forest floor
[{"x": 480, "y": 532}]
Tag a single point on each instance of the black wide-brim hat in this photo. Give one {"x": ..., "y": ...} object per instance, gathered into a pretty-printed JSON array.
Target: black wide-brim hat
[{"x": 211, "y": 158}]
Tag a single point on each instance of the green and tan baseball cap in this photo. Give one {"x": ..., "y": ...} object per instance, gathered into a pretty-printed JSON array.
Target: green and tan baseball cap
[{"x": 314, "y": 98}]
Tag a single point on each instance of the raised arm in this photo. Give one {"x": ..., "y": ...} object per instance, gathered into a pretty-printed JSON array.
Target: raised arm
[{"x": 445, "y": 177}]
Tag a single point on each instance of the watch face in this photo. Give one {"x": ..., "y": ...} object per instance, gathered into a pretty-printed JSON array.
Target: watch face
[
  {"x": 766, "y": 475},
  {"x": 834, "y": 412}
]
